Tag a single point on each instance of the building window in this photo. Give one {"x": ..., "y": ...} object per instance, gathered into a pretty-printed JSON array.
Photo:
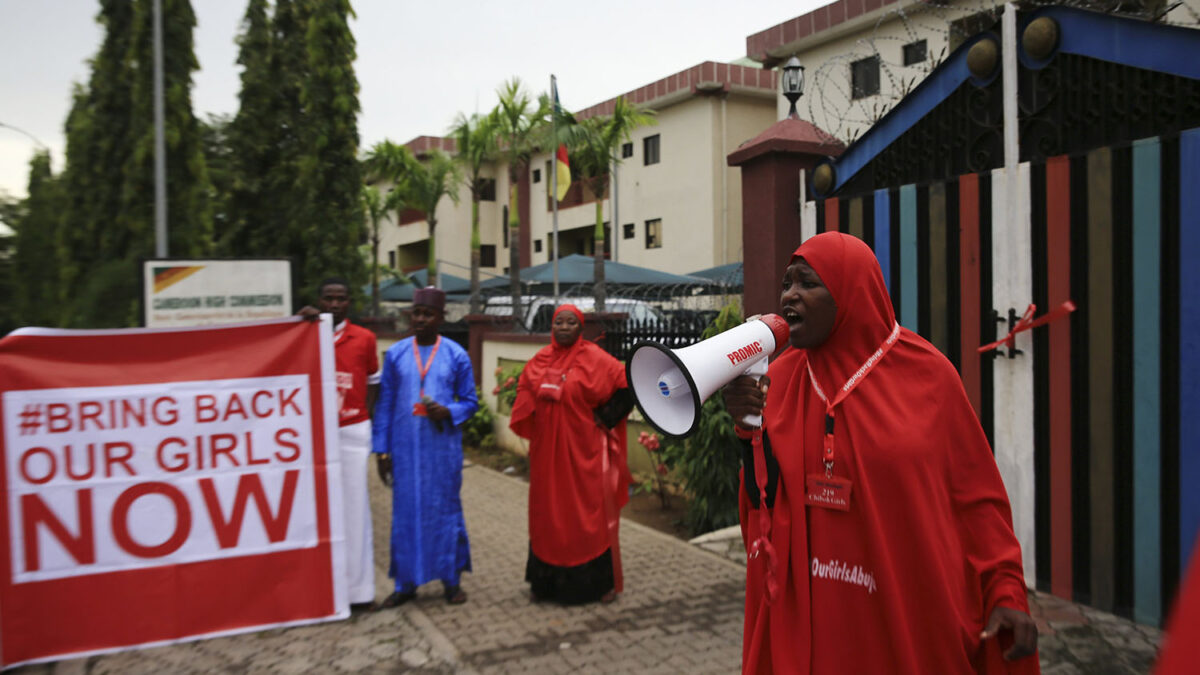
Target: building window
[
  {"x": 627, "y": 150},
  {"x": 654, "y": 233},
  {"x": 537, "y": 175},
  {"x": 650, "y": 148},
  {"x": 915, "y": 52},
  {"x": 487, "y": 255},
  {"x": 504, "y": 226},
  {"x": 487, "y": 189},
  {"x": 864, "y": 77},
  {"x": 629, "y": 231},
  {"x": 392, "y": 259},
  {"x": 537, "y": 245}
]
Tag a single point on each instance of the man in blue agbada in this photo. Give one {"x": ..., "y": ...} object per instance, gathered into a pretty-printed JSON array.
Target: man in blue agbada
[{"x": 427, "y": 391}]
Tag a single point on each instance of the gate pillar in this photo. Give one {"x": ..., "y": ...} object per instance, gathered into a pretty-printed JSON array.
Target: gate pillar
[{"x": 771, "y": 166}]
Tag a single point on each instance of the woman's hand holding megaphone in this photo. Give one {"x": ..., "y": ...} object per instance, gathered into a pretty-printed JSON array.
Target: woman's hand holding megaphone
[{"x": 745, "y": 396}]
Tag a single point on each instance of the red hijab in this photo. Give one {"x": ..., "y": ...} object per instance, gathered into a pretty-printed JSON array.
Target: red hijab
[
  {"x": 554, "y": 356},
  {"x": 904, "y": 580}
]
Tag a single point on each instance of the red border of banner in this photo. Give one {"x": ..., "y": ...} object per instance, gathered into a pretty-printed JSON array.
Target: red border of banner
[{"x": 131, "y": 607}]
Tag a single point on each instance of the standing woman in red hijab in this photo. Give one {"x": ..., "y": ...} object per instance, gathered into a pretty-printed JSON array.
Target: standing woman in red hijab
[
  {"x": 880, "y": 532},
  {"x": 571, "y": 404}
]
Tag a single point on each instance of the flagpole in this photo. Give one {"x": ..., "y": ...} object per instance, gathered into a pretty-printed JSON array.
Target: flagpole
[{"x": 554, "y": 178}]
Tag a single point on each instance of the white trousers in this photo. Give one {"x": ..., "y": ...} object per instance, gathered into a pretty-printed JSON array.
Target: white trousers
[{"x": 355, "y": 441}]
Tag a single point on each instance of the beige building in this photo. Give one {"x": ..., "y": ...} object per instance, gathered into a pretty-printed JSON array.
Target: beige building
[
  {"x": 861, "y": 57},
  {"x": 678, "y": 204}
]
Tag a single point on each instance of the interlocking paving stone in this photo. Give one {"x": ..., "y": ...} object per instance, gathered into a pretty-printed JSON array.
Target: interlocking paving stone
[{"x": 681, "y": 611}]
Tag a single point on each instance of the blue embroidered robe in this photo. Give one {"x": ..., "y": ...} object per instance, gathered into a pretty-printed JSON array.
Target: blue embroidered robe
[{"x": 429, "y": 535}]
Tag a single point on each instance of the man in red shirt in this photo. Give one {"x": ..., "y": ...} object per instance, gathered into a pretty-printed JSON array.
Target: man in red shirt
[{"x": 357, "y": 360}]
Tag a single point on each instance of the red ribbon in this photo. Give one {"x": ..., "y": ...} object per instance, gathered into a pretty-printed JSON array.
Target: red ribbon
[{"x": 1027, "y": 322}]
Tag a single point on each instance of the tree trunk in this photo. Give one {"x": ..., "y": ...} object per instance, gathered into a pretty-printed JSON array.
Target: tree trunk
[
  {"x": 432, "y": 251},
  {"x": 375, "y": 269},
  {"x": 514, "y": 242},
  {"x": 476, "y": 301},
  {"x": 598, "y": 289}
]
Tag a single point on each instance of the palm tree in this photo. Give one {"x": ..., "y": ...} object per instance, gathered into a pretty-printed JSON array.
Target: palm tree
[
  {"x": 475, "y": 141},
  {"x": 375, "y": 208},
  {"x": 392, "y": 163},
  {"x": 518, "y": 124},
  {"x": 433, "y": 177},
  {"x": 594, "y": 144}
]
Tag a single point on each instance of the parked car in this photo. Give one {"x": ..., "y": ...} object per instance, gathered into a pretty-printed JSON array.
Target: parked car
[{"x": 538, "y": 310}]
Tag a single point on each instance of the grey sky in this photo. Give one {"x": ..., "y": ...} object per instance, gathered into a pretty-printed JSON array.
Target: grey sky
[{"x": 419, "y": 62}]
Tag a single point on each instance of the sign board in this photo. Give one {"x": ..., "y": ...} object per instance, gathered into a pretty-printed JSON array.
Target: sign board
[
  {"x": 162, "y": 485},
  {"x": 207, "y": 292}
]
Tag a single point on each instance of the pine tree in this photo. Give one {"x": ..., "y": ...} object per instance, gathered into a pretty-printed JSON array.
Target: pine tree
[
  {"x": 98, "y": 143},
  {"x": 250, "y": 137},
  {"x": 282, "y": 221},
  {"x": 34, "y": 270},
  {"x": 109, "y": 181},
  {"x": 330, "y": 173}
]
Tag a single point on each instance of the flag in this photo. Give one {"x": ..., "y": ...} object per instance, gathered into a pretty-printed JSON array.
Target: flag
[
  {"x": 562, "y": 164},
  {"x": 563, "y": 167}
]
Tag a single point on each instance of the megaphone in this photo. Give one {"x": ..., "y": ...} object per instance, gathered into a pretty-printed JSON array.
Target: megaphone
[{"x": 671, "y": 384}]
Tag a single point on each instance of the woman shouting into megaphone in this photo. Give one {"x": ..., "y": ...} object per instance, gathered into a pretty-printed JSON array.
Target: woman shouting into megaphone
[{"x": 878, "y": 527}]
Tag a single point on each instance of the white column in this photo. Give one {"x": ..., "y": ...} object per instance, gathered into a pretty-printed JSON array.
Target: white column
[{"x": 1012, "y": 286}]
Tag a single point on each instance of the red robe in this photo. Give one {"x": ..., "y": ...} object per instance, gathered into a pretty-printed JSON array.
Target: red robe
[
  {"x": 902, "y": 582},
  {"x": 578, "y": 476}
]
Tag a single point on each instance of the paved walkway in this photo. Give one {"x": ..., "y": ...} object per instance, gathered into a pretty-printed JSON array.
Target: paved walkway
[{"x": 681, "y": 612}]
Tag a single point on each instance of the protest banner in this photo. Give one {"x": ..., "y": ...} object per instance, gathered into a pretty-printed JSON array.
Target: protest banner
[{"x": 163, "y": 485}]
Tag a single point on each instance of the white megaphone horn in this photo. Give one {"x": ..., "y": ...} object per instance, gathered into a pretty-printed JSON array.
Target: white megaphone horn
[{"x": 671, "y": 384}]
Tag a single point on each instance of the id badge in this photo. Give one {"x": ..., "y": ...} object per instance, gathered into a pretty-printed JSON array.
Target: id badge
[
  {"x": 419, "y": 410},
  {"x": 827, "y": 493}
]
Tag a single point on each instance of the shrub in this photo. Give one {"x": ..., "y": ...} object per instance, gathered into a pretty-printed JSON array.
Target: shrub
[
  {"x": 477, "y": 430},
  {"x": 709, "y": 459},
  {"x": 506, "y": 387}
]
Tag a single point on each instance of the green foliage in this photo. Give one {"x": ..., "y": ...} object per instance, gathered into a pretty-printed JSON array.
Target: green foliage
[
  {"x": 189, "y": 213},
  {"x": 519, "y": 124},
  {"x": 593, "y": 147},
  {"x": 506, "y": 386},
  {"x": 434, "y": 177},
  {"x": 10, "y": 210},
  {"x": 330, "y": 175},
  {"x": 35, "y": 274},
  {"x": 108, "y": 185},
  {"x": 219, "y": 158},
  {"x": 253, "y": 156},
  {"x": 663, "y": 459},
  {"x": 98, "y": 147},
  {"x": 475, "y": 142},
  {"x": 477, "y": 431},
  {"x": 708, "y": 459}
]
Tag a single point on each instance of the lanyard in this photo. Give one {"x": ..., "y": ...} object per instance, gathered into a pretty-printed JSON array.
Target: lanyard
[
  {"x": 423, "y": 368},
  {"x": 851, "y": 383}
]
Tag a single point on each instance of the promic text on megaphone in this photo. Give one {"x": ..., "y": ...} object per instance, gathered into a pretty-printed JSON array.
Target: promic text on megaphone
[{"x": 670, "y": 385}]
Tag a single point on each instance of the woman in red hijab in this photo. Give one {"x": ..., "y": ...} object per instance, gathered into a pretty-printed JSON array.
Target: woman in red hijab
[
  {"x": 571, "y": 404},
  {"x": 879, "y": 529}
]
